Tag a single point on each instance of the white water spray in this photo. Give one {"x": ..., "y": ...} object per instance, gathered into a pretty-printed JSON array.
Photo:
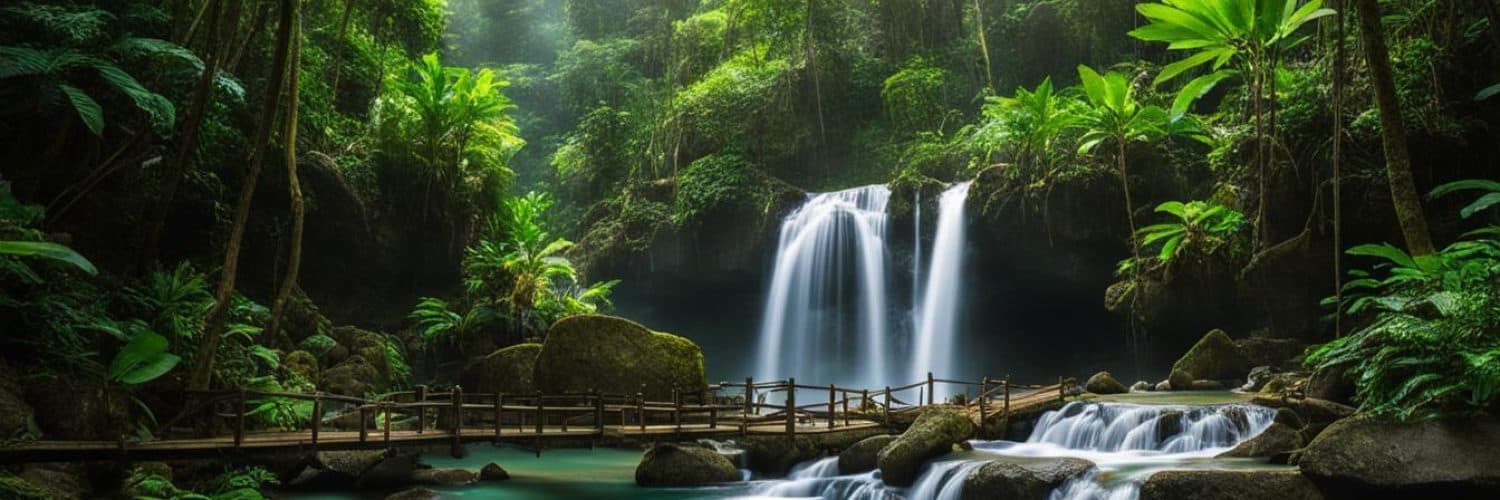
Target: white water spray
[{"x": 933, "y": 349}]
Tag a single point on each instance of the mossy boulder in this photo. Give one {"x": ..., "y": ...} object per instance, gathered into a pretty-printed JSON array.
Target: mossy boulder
[
  {"x": 932, "y": 435},
  {"x": 1104, "y": 383},
  {"x": 1229, "y": 485},
  {"x": 673, "y": 465},
  {"x": 507, "y": 370},
  {"x": 1332, "y": 383},
  {"x": 493, "y": 472},
  {"x": 1214, "y": 357},
  {"x": 1275, "y": 440},
  {"x": 775, "y": 455},
  {"x": 354, "y": 377},
  {"x": 1179, "y": 380},
  {"x": 862, "y": 456},
  {"x": 302, "y": 363},
  {"x": 1440, "y": 458},
  {"x": 615, "y": 355},
  {"x": 1007, "y": 480}
]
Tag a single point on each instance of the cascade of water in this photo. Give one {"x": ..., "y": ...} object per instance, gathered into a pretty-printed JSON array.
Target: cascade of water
[
  {"x": 805, "y": 329},
  {"x": 916, "y": 259},
  {"x": 1118, "y": 427},
  {"x": 933, "y": 349}
]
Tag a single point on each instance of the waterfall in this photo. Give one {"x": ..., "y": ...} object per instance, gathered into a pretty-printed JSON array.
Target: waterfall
[
  {"x": 1120, "y": 427},
  {"x": 831, "y": 248},
  {"x": 933, "y": 349},
  {"x": 916, "y": 256}
]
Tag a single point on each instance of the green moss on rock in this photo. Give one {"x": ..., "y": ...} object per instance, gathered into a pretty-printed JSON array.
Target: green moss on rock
[
  {"x": 615, "y": 355},
  {"x": 1214, "y": 357},
  {"x": 507, "y": 370},
  {"x": 673, "y": 465},
  {"x": 932, "y": 435}
]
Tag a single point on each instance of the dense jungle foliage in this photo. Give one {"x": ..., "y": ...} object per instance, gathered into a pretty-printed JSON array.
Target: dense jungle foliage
[{"x": 357, "y": 196}]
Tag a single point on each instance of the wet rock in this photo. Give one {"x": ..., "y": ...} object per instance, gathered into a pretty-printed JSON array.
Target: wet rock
[
  {"x": 1142, "y": 386},
  {"x": 1272, "y": 352},
  {"x": 1229, "y": 485},
  {"x": 1275, "y": 440},
  {"x": 932, "y": 435},
  {"x": 620, "y": 357},
  {"x": 1287, "y": 384},
  {"x": 1104, "y": 383},
  {"x": 1438, "y": 458},
  {"x": 1179, "y": 380},
  {"x": 1214, "y": 357},
  {"x": 443, "y": 477},
  {"x": 775, "y": 455},
  {"x": 493, "y": 472},
  {"x": 1258, "y": 378},
  {"x": 415, "y": 494},
  {"x": 79, "y": 408},
  {"x": 507, "y": 370},
  {"x": 1312, "y": 411},
  {"x": 1021, "y": 481},
  {"x": 1163, "y": 386},
  {"x": 69, "y": 480},
  {"x": 354, "y": 377},
  {"x": 1289, "y": 417},
  {"x": 351, "y": 464},
  {"x": 1168, "y": 423},
  {"x": 673, "y": 465},
  {"x": 861, "y": 456},
  {"x": 1333, "y": 383}
]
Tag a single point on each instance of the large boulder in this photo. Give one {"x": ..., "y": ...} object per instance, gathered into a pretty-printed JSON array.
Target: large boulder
[
  {"x": 931, "y": 435},
  {"x": 1456, "y": 458},
  {"x": 354, "y": 377},
  {"x": 1275, "y": 440},
  {"x": 302, "y": 363},
  {"x": 776, "y": 455},
  {"x": 673, "y": 465},
  {"x": 493, "y": 472},
  {"x": 507, "y": 370},
  {"x": 1333, "y": 383},
  {"x": 443, "y": 477},
  {"x": 1021, "y": 481},
  {"x": 1229, "y": 485},
  {"x": 615, "y": 355},
  {"x": 862, "y": 456},
  {"x": 1104, "y": 383},
  {"x": 1214, "y": 357}
]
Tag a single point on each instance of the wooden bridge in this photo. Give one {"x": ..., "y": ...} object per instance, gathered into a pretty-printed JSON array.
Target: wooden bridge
[{"x": 423, "y": 418}]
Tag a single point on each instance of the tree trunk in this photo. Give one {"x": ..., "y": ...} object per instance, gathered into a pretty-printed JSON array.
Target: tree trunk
[
  {"x": 984, "y": 46},
  {"x": 338, "y": 59},
  {"x": 217, "y": 317},
  {"x": 294, "y": 187},
  {"x": 812, "y": 65},
  {"x": 1136, "y": 269},
  {"x": 1339, "y": 63},
  {"x": 1393, "y": 132},
  {"x": 187, "y": 141}
]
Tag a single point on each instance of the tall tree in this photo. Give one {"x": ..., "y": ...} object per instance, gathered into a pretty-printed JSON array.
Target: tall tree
[
  {"x": 1339, "y": 63},
  {"x": 1393, "y": 131},
  {"x": 202, "y": 374},
  {"x": 294, "y": 188}
]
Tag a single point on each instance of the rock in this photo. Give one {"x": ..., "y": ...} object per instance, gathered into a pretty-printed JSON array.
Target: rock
[
  {"x": 1333, "y": 384},
  {"x": 1258, "y": 378},
  {"x": 1276, "y": 439},
  {"x": 70, "y": 480},
  {"x": 443, "y": 477},
  {"x": 614, "y": 355},
  {"x": 1206, "y": 385},
  {"x": 1104, "y": 383},
  {"x": 80, "y": 408},
  {"x": 507, "y": 370},
  {"x": 1021, "y": 481},
  {"x": 337, "y": 354},
  {"x": 1288, "y": 384},
  {"x": 1439, "y": 458},
  {"x": 396, "y": 470},
  {"x": 1214, "y": 357},
  {"x": 1229, "y": 485},
  {"x": 1169, "y": 423},
  {"x": 1312, "y": 411},
  {"x": 1163, "y": 386},
  {"x": 1179, "y": 380},
  {"x": 493, "y": 472},
  {"x": 302, "y": 363},
  {"x": 415, "y": 494},
  {"x": 354, "y": 377},
  {"x": 673, "y": 465},
  {"x": 1289, "y": 418},
  {"x": 1272, "y": 352},
  {"x": 351, "y": 464},
  {"x": 932, "y": 435},
  {"x": 775, "y": 455},
  {"x": 861, "y": 456},
  {"x": 1142, "y": 386}
]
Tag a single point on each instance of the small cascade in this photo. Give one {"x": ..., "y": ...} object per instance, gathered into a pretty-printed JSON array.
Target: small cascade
[
  {"x": 1119, "y": 427},
  {"x": 943, "y": 480},
  {"x": 831, "y": 249},
  {"x": 933, "y": 346}
]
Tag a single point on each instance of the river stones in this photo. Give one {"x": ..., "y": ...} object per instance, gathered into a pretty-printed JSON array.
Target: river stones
[
  {"x": 1278, "y": 438},
  {"x": 673, "y": 465},
  {"x": 1007, "y": 480},
  {"x": 1450, "y": 458},
  {"x": 507, "y": 370},
  {"x": 1229, "y": 485},
  {"x": 930, "y": 436},
  {"x": 862, "y": 456},
  {"x": 415, "y": 494},
  {"x": 1104, "y": 383},
  {"x": 617, "y": 356},
  {"x": 443, "y": 477},
  {"x": 1142, "y": 386},
  {"x": 1258, "y": 378},
  {"x": 493, "y": 472},
  {"x": 776, "y": 454},
  {"x": 1214, "y": 357}
]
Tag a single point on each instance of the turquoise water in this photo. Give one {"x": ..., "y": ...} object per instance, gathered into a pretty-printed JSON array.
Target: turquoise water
[{"x": 563, "y": 473}]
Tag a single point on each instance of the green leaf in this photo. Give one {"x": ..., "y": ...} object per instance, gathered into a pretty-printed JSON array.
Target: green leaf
[
  {"x": 1482, "y": 203},
  {"x": 1385, "y": 251},
  {"x": 1172, "y": 70},
  {"x": 1487, "y": 92},
  {"x": 49, "y": 251},
  {"x": 1169, "y": 249},
  {"x": 151, "y": 370},
  {"x": 88, "y": 109},
  {"x": 143, "y": 350},
  {"x": 1196, "y": 89}
]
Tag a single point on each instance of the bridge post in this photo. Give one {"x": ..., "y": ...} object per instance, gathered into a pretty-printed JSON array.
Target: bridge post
[
  {"x": 791, "y": 407},
  {"x": 598, "y": 409},
  {"x": 421, "y": 408},
  {"x": 846, "y": 408},
  {"x": 317, "y": 418},
  {"x": 1007, "y": 396},
  {"x": 887, "y": 406},
  {"x": 640, "y": 408},
  {"x": 832, "y": 410},
  {"x": 929, "y": 388},
  {"x": 749, "y": 397},
  {"x": 389, "y": 407},
  {"x": 456, "y": 450},
  {"x": 540, "y": 417},
  {"x": 239, "y": 419},
  {"x": 676, "y": 409},
  {"x": 500, "y": 404},
  {"x": 984, "y": 388},
  {"x": 364, "y": 422},
  {"x": 1060, "y": 393}
]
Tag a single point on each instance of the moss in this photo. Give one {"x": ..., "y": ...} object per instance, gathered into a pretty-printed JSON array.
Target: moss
[
  {"x": 1214, "y": 357},
  {"x": 615, "y": 355},
  {"x": 19, "y": 489},
  {"x": 507, "y": 370}
]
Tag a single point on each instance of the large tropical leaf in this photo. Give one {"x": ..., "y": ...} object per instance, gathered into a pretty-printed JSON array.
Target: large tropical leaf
[
  {"x": 89, "y": 111},
  {"x": 48, "y": 251}
]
